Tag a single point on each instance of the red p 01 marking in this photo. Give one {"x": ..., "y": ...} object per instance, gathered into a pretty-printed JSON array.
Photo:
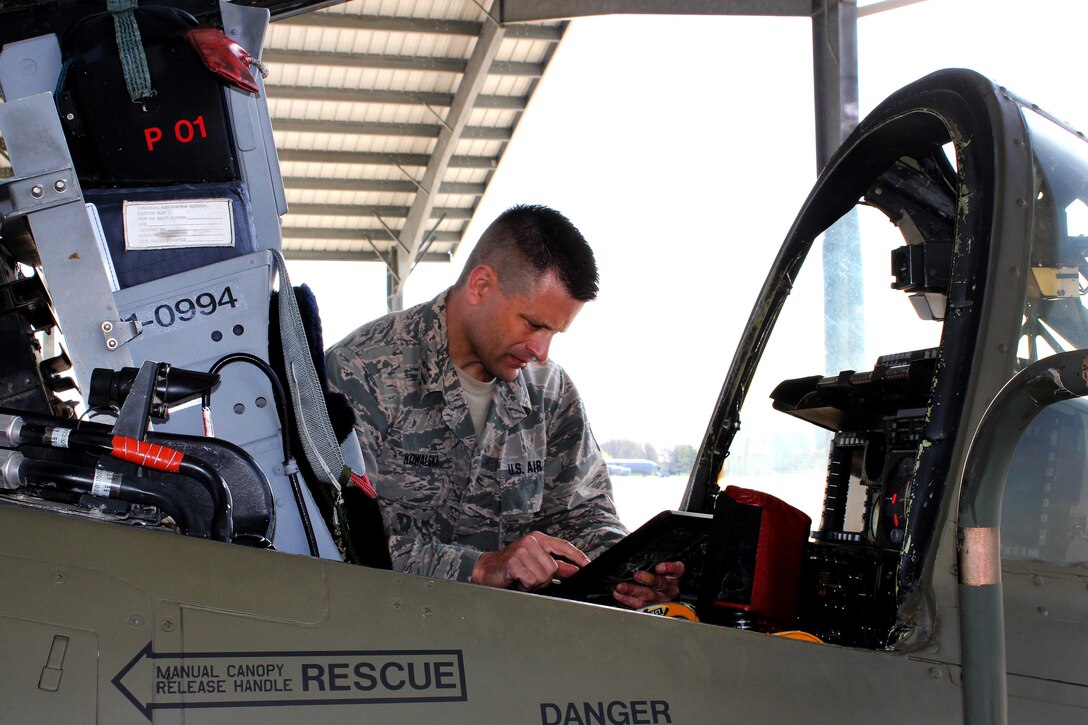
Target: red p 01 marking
[{"x": 184, "y": 131}]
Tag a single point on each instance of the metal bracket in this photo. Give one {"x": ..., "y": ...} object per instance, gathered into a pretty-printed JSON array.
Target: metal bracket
[
  {"x": 142, "y": 402},
  {"x": 26, "y": 194},
  {"x": 117, "y": 332}
]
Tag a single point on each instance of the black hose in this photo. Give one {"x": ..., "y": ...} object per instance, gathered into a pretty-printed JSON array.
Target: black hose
[
  {"x": 307, "y": 525},
  {"x": 79, "y": 479},
  {"x": 285, "y": 437},
  {"x": 186, "y": 465},
  {"x": 223, "y": 511}
]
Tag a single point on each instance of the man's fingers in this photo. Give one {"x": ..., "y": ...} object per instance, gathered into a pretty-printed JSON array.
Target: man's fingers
[
  {"x": 529, "y": 563},
  {"x": 634, "y": 596},
  {"x": 565, "y": 569},
  {"x": 562, "y": 547},
  {"x": 656, "y": 582},
  {"x": 531, "y": 566},
  {"x": 651, "y": 587},
  {"x": 671, "y": 569}
]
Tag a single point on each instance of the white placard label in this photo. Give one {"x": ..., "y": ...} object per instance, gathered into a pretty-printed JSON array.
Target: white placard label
[{"x": 178, "y": 224}]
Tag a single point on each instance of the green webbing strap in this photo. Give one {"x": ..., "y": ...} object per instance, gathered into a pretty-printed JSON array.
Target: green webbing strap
[{"x": 131, "y": 47}]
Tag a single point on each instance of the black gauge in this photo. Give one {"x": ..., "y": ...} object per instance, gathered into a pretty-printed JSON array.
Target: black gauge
[{"x": 893, "y": 506}]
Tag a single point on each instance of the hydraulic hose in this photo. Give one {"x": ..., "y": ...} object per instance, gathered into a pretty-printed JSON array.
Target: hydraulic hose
[
  {"x": 79, "y": 479},
  {"x": 289, "y": 465},
  {"x": 223, "y": 511},
  {"x": 147, "y": 455}
]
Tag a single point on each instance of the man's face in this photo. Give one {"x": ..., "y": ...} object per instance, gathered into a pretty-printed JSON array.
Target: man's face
[{"x": 508, "y": 331}]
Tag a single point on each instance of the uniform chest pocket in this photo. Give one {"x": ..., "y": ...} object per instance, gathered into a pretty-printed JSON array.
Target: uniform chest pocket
[{"x": 522, "y": 496}]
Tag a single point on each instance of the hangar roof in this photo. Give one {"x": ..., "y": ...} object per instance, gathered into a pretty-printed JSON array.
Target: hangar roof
[
  {"x": 391, "y": 116},
  {"x": 390, "y": 119}
]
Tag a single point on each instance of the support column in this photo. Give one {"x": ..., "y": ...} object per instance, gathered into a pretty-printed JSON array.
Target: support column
[
  {"x": 394, "y": 293},
  {"x": 835, "y": 77}
]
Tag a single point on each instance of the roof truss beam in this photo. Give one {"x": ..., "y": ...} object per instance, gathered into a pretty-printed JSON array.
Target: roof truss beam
[
  {"x": 373, "y": 158},
  {"x": 406, "y": 98},
  {"x": 396, "y": 62},
  {"x": 349, "y": 235},
  {"x": 363, "y": 255},
  {"x": 385, "y": 212},
  {"x": 379, "y": 185},
  {"x": 515, "y": 11},
  {"x": 369, "y": 128},
  {"x": 470, "y": 28},
  {"x": 413, "y": 237}
]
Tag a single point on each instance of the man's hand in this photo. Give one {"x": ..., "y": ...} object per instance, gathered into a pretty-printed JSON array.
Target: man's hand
[
  {"x": 528, "y": 563},
  {"x": 662, "y": 585}
]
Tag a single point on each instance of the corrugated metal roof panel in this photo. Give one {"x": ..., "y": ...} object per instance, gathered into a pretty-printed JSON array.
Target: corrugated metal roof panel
[{"x": 362, "y": 97}]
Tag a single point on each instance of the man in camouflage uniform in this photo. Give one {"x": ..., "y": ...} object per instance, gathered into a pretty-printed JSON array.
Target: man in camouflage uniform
[{"x": 479, "y": 446}]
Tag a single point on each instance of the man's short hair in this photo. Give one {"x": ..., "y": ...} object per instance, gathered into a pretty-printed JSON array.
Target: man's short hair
[{"x": 527, "y": 241}]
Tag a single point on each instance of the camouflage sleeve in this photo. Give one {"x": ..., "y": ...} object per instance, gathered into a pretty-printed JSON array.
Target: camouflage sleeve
[
  {"x": 414, "y": 555},
  {"x": 578, "y": 504},
  {"x": 410, "y": 552},
  {"x": 346, "y": 374}
]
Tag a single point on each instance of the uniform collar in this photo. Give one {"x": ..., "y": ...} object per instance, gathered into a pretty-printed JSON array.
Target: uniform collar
[{"x": 436, "y": 370}]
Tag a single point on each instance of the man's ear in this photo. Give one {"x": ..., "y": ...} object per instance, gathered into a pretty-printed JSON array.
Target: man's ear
[{"x": 482, "y": 281}]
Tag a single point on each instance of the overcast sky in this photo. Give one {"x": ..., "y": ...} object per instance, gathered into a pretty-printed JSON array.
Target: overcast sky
[{"x": 682, "y": 148}]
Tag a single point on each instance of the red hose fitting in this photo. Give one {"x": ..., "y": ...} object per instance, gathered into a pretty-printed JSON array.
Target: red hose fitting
[{"x": 150, "y": 455}]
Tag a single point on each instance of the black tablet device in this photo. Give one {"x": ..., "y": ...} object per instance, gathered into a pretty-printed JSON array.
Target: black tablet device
[{"x": 669, "y": 536}]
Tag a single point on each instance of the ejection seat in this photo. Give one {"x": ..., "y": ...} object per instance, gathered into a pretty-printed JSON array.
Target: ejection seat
[{"x": 148, "y": 179}]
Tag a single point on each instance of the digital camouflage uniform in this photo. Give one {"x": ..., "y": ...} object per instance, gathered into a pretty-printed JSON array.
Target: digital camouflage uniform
[{"x": 445, "y": 499}]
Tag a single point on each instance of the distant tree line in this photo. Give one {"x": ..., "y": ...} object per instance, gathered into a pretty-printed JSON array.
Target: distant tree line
[{"x": 675, "y": 460}]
